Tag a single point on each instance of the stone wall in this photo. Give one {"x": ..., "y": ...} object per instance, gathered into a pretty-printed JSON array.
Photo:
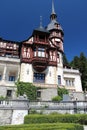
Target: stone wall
[
  {"x": 48, "y": 93},
  {"x": 71, "y": 107},
  {"x": 5, "y": 116},
  {"x": 13, "y": 111}
]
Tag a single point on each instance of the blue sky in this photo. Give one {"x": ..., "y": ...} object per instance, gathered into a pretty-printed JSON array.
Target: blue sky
[{"x": 18, "y": 18}]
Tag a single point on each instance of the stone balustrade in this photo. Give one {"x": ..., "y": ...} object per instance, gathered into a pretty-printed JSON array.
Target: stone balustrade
[
  {"x": 71, "y": 107},
  {"x": 14, "y": 104},
  {"x": 70, "y": 70}
]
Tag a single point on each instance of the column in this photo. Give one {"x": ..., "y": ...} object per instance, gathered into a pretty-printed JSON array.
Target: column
[{"x": 4, "y": 73}]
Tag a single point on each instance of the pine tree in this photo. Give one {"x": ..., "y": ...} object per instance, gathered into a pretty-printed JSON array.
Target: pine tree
[
  {"x": 65, "y": 61},
  {"x": 75, "y": 62},
  {"x": 81, "y": 64},
  {"x": 83, "y": 70}
]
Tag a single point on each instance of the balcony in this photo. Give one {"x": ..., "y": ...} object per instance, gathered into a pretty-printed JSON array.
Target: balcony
[
  {"x": 40, "y": 63},
  {"x": 6, "y": 59}
]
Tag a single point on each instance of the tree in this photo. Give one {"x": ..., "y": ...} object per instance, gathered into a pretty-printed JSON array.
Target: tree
[
  {"x": 75, "y": 62},
  {"x": 81, "y": 64},
  {"x": 65, "y": 61},
  {"x": 83, "y": 70}
]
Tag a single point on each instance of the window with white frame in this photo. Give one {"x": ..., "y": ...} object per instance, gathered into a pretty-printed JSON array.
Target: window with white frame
[
  {"x": 39, "y": 77},
  {"x": 11, "y": 78},
  {"x": 59, "y": 80},
  {"x": 41, "y": 52},
  {"x": 69, "y": 82}
]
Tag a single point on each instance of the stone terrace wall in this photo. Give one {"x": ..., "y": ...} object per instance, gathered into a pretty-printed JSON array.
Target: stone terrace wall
[
  {"x": 13, "y": 111},
  {"x": 71, "y": 107}
]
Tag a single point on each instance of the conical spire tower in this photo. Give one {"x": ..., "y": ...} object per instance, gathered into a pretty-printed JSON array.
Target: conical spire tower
[{"x": 53, "y": 14}]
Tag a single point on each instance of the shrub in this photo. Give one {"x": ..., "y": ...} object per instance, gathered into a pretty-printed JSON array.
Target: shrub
[
  {"x": 64, "y": 118},
  {"x": 57, "y": 98},
  {"x": 62, "y": 91},
  {"x": 44, "y": 126},
  {"x": 2, "y": 98}
]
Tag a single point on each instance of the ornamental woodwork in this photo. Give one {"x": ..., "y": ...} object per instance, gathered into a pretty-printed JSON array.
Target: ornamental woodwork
[{"x": 9, "y": 49}]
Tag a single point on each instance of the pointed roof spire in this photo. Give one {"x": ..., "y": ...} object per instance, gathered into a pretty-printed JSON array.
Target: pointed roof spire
[
  {"x": 53, "y": 14},
  {"x": 53, "y": 10},
  {"x": 41, "y": 22}
]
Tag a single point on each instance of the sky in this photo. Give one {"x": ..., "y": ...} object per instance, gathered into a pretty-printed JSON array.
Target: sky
[{"x": 18, "y": 19}]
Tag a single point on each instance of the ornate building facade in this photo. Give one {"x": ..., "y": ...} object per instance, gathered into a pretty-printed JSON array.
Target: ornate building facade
[{"x": 38, "y": 60}]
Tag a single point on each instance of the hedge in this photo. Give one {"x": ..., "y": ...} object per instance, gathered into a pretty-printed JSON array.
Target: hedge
[
  {"x": 44, "y": 126},
  {"x": 63, "y": 118}
]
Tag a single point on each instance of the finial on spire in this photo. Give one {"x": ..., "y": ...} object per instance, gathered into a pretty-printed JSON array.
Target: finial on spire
[
  {"x": 53, "y": 14},
  {"x": 40, "y": 21},
  {"x": 53, "y": 10}
]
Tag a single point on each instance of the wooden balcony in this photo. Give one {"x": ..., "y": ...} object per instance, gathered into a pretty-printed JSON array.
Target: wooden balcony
[{"x": 40, "y": 63}]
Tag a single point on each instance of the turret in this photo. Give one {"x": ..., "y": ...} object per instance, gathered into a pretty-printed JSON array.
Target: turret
[{"x": 56, "y": 31}]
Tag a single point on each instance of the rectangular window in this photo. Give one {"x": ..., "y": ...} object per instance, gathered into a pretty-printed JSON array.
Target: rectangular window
[
  {"x": 42, "y": 38},
  {"x": 8, "y": 55},
  {"x": 9, "y": 93},
  {"x": 39, "y": 77},
  {"x": 35, "y": 52},
  {"x": 38, "y": 94},
  {"x": 0, "y": 77},
  {"x": 11, "y": 78},
  {"x": 59, "y": 80},
  {"x": 41, "y": 52},
  {"x": 69, "y": 82}
]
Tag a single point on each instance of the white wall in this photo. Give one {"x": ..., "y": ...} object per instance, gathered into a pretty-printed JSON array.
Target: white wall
[
  {"x": 24, "y": 76},
  {"x": 18, "y": 116},
  {"x": 51, "y": 77},
  {"x": 60, "y": 69},
  {"x": 77, "y": 80}
]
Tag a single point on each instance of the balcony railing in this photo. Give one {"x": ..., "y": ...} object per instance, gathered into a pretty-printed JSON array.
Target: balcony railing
[
  {"x": 42, "y": 59},
  {"x": 10, "y": 59},
  {"x": 65, "y": 70},
  {"x": 40, "y": 41}
]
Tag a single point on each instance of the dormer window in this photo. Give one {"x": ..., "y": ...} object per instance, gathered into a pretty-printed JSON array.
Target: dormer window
[{"x": 41, "y": 37}]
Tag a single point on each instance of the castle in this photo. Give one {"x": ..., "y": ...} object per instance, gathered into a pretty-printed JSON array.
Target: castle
[{"x": 38, "y": 60}]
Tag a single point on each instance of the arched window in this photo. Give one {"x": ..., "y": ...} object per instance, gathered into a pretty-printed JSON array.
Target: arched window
[{"x": 59, "y": 80}]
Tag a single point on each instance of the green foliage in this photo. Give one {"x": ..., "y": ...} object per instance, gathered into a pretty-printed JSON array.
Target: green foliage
[
  {"x": 54, "y": 118},
  {"x": 65, "y": 61},
  {"x": 62, "y": 91},
  {"x": 33, "y": 111},
  {"x": 75, "y": 62},
  {"x": 2, "y": 98},
  {"x": 81, "y": 64},
  {"x": 27, "y": 88},
  {"x": 44, "y": 126},
  {"x": 57, "y": 98}
]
